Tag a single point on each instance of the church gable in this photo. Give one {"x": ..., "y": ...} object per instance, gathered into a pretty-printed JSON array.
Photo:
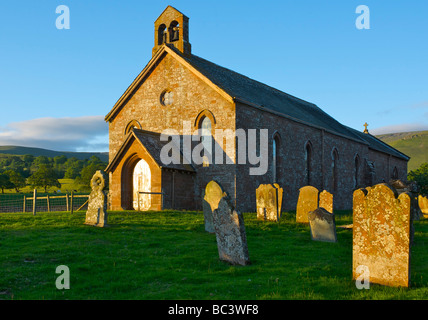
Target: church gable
[{"x": 165, "y": 95}]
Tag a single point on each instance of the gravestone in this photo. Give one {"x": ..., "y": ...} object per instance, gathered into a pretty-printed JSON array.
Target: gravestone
[
  {"x": 260, "y": 202},
  {"x": 213, "y": 194},
  {"x": 423, "y": 205},
  {"x": 269, "y": 202},
  {"x": 307, "y": 202},
  {"x": 96, "y": 215},
  {"x": 230, "y": 233},
  {"x": 326, "y": 201},
  {"x": 280, "y": 193},
  {"x": 382, "y": 232},
  {"x": 322, "y": 225}
]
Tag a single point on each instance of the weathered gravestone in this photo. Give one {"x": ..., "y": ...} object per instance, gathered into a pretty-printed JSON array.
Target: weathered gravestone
[
  {"x": 269, "y": 202},
  {"x": 307, "y": 202},
  {"x": 213, "y": 194},
  {"x": 326, "y": 201},
  {"x": 423, "y": 205},
  {"x": 230, "y": 233},
  {"x": 322, "y": 225},
  {"x": 96, "y": 215},
  {"x": 382, "y": 235}
]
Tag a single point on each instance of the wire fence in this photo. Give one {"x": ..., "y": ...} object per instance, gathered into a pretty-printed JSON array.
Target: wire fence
[{"x": 43, "y": 202}]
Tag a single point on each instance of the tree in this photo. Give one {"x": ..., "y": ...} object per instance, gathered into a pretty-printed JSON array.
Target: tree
[
  {"x": 28, "y": 159},
  {"x": 420, "y": 176},
  {"x": 16, "y": 179},
  {"x": 5, "y": 182},
  {"x": 87, "y": 173},
  {"x": 41, "y": 160},
  {"x": 44, "y": 177},
  {"x": 73, "y": 167}
]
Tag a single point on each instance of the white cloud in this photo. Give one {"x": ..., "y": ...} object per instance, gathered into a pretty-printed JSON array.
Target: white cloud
[{"x": 89, "y": 133}]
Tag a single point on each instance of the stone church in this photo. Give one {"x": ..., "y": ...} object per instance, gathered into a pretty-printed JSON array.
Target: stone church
[{"x": 181, "y": 92}]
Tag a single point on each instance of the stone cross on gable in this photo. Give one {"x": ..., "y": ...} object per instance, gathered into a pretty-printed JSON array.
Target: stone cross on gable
[{"x": 365, "y": 126}]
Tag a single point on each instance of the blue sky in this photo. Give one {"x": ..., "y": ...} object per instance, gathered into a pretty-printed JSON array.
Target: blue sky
[{"x": 56, "y": 86}]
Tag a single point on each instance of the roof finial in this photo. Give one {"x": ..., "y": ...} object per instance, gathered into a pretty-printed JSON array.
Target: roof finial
[{"x": 365, "y": 126}]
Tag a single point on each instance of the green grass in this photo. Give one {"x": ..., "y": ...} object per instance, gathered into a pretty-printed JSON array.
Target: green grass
[
  {"x": 168, "y": 255},
  {"x": 67, "y": 185}
]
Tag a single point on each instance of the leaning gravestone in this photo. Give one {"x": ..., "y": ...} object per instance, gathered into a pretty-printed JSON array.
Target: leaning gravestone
[
  {"x": 307, "y": 202},
  {"x": 230, "y": 233},
  {"x": 213, "y": 194},
  {"x": 269, "y": 202},
  {"x": 382, "y": 234},
  {"x": 326, "y": 201},
  {"x": 96, "y": 215},
  {"x": 322, "y": 225}
]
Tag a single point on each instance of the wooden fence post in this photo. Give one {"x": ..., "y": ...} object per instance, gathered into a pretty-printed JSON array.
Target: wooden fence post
[
  {"x": 66, "y": 201},
  {"x": 71, "y": 203},
  {"x": 34, "y": 202},
  {"x": 24, "y": 207},
  {"x": 47, "y": 200}
]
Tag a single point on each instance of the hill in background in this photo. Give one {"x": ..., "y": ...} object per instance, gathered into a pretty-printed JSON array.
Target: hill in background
[
  {"x": 16, "y": 150},
  {"x": 414, "y": 144}
]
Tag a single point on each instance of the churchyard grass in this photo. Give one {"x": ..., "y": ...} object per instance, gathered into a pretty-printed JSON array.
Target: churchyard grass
[{"x": 168, "y": 255}]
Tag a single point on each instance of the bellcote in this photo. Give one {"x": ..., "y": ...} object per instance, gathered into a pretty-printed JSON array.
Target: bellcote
[{"x": 172, "y": 28}]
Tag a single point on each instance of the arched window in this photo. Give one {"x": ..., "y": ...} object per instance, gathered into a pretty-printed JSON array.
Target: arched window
[
  {"x": 335, "y": 178},
  {"x": 131, "y": 125},
  {"x": 356, "y": 171},
  {"x": 395, "y": 173},
  {"x": 162, "y": 34},
  {"x": 174, "y": 31},
  {"x": 206, "y": 132},
  {"x": 275, "y": 157},
  {"x": 308, "y": 159}
]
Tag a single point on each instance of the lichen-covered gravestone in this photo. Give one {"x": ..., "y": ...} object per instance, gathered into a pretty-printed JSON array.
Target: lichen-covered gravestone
[
  {"x": 326, "y": 201},
  {"x": 269, "y": 202},
  {"x": 382, "y": 235},
  {"x": 307, "y": 202},
  {"x": 230, "y": 233},
  {"x": 96, "y": 215},
  {"x": 322, "y": 225},
  {"x": 213, "y": 194},
  {"x": 423, "y": 205}
]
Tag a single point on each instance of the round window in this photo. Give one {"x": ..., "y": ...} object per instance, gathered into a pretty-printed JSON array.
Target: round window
[{"x": 166, "y": 98}]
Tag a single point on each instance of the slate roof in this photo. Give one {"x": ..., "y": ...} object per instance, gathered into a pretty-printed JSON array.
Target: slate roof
[
  {"x": 247, "y": 89},
  {"x": 152, "y": 143},
  {"x": 379, "y": 145}
]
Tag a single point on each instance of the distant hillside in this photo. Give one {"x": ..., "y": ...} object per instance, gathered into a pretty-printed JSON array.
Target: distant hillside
[
  {"x": 16, "y": 150},
  {"x": 414, "y": 144}
]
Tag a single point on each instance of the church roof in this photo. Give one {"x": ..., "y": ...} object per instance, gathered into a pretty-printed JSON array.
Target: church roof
[
  {"x": 379, "y": 145},
  {"x": 243, "y": 89},
  {"x": 247, "y": 90},
  {"x": 152, "y": 143}
]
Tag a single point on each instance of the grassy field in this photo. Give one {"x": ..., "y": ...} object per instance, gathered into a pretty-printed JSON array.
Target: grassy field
[
  {"x": 67, "y": 185},
  {"x": 413, "y": 144},
  {"x": 168, "y": 255}
]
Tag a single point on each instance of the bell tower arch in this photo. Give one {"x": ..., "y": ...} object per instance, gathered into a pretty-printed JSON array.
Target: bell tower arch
[{"x": 172, "y": 28}]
